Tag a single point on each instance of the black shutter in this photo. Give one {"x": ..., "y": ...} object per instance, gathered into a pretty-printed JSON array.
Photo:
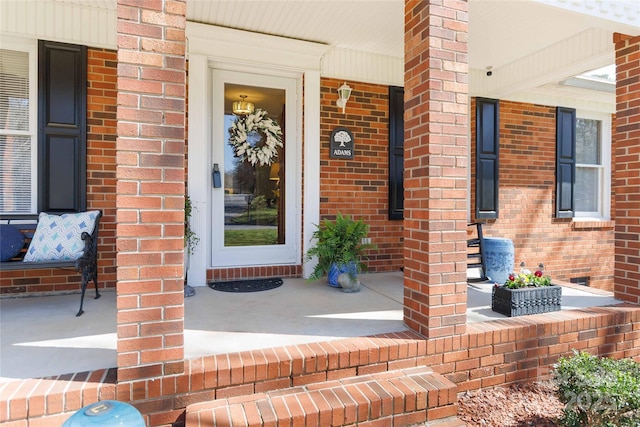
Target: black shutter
[
  {"x": 565, "y": 161},
  {"x": 396, "y": 152},
  {"x": 62, "y": 127},
  {"x": 487, "y": 157}
]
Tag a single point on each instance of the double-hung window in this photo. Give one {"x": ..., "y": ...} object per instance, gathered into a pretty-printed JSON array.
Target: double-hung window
[
  {"x": 43, "y": 126},
  {"x": 593, "y": 166},
  {"x": 18, "y": 126},
  {"x": 583, "y": 165}
]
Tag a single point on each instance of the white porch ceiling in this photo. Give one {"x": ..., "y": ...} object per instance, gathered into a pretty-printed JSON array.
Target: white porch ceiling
[{"x": 529, "y": 44}]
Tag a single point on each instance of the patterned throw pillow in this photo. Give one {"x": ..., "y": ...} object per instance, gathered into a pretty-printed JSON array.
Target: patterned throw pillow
[
  {"x": 11, "y": 242},
  {"x": 58, "y": 237}
]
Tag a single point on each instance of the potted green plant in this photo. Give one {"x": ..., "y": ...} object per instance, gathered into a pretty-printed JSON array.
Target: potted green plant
[
  {"x": 339, "y": 249},
  {"x": 191, "y": 240}
]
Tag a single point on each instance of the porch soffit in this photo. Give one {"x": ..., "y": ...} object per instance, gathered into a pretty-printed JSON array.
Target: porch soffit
[
  {"x": 587, "y": 50},
  {"x": 520, "y": 40}
]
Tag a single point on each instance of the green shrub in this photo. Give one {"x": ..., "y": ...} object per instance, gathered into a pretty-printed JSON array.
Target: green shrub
[
  {"x": 600, "y": 392},
  {"x": 260, "y": 202}
]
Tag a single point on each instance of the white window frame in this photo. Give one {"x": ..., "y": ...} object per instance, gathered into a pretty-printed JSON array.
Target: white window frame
[
  {"x": 30, "y": 46},
  {"x": 604, "y": 177}
]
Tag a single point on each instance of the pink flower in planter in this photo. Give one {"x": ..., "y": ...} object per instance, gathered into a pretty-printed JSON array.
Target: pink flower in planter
[{"x": 526, "y": 279}]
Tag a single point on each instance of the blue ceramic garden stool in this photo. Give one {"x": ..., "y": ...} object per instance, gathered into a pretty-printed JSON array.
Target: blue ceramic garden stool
[
  {"x": 106, "y": 413},
  {"x": 500, "y": 258}
]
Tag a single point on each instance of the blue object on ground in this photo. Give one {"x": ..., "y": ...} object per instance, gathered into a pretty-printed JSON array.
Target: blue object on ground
[
  {"x": 499, "y": 257},
  {"x": 106, "y": 413},
  {"x": 189, "y": 291},
  {"x": 336, "y": 270}
]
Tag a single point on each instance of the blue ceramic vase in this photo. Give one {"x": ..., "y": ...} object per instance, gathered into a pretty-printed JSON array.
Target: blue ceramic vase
[
  {"x": 337, "y": 269},
  {"x": 106, "y": 413}
]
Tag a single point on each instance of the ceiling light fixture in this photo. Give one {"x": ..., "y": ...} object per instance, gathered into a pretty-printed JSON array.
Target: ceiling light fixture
[{"x": 243, "y": 107}]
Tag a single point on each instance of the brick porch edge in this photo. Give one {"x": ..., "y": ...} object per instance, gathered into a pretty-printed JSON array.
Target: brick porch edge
[{"x": 490, "y": 354}]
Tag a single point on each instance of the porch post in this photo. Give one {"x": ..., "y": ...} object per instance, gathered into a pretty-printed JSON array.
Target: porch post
[
  {"x": 436, "y": 133},
  {"x": 150, "y": 193},
  {"x": 626, "y": 158}
]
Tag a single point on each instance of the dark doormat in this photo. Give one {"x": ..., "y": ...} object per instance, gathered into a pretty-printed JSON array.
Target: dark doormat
[{"x": 247, "y": 285}]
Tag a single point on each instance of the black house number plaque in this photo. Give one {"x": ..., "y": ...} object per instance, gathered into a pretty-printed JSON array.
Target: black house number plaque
[{"x": 341, "y": 144}]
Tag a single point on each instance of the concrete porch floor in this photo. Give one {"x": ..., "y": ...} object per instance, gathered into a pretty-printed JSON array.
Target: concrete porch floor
[{"x": 40, "y": 336}]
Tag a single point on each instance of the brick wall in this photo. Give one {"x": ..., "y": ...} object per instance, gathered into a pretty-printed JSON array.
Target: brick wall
[
  {"x": 488, "y": 354},
  {"x": 101, "y": 155},
  {"x": 527, "y": 209},
  {"x": 101, "y": 184},
  {"x": 151, "y": 82},
  {"x": 527, "y": 188},
  {"x": 435, "y": 166},
  {"x": 626, "y": 153},
  {"x": 359, "y": 187},
  {"x": 525, "y": 349},
  {"x": 235, "y": 273}
]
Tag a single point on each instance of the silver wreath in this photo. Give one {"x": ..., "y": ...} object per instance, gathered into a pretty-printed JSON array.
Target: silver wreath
[{"x": 258, "y": 122}]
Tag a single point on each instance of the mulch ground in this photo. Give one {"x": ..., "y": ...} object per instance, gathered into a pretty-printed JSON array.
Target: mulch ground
[{"x": 520, "y": 405}]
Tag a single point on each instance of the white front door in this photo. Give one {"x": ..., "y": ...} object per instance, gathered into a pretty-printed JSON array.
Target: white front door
[{"x": 256, "y": 208}]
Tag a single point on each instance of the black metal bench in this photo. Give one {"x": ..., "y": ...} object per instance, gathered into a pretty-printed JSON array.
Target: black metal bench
[{"x": 86, "y": 265}]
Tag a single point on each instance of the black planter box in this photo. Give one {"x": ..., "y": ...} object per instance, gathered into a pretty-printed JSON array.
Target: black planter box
[{"x": 523, "y": 301}]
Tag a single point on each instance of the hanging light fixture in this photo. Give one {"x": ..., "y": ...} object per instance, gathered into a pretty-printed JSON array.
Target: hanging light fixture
[
  {"x": 243, "y": 107},
  {"x": 344, "y": 92},
  {"x": 274, "y": 172}
]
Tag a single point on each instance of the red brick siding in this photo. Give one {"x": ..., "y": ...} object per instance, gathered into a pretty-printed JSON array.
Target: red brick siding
[
  {"x": 253, "y": 272},
  {"x": 488, "y": 354},
  {"x": 101, "y": 184},
  {"x": 101, "y": 155},
  {"x": 435, "y": 166},
  {"x": 151, "y": 82},
  {"x": 360, "y": 187},
  {"x": 526, "y": 205},
  {"x": 626, "y": 153},
  {"x": 515, "y": 350}
]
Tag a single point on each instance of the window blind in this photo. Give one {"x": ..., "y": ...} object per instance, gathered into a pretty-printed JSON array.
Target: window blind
[{"x": 15, "y": 135}]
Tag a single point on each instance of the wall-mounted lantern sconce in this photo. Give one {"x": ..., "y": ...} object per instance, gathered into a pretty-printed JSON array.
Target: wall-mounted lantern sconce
[
  {"x": 243, "y": 107},
  {"x": 344, "y": 92}
]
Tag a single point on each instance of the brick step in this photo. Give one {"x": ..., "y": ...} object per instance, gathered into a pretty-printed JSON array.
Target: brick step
[
  {"x": 445, "y": 422},
  {"x": 402, "y": 397}
]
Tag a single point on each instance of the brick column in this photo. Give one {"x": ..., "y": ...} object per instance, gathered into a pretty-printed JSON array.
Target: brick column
[
  {"x": 626, "y": 184},
  {"x": 150, "y": 192},
  {"x": 435, "y": 164}
]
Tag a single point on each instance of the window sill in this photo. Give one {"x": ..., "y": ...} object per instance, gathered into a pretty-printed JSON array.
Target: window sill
[{"x": 586, "y": 223}]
